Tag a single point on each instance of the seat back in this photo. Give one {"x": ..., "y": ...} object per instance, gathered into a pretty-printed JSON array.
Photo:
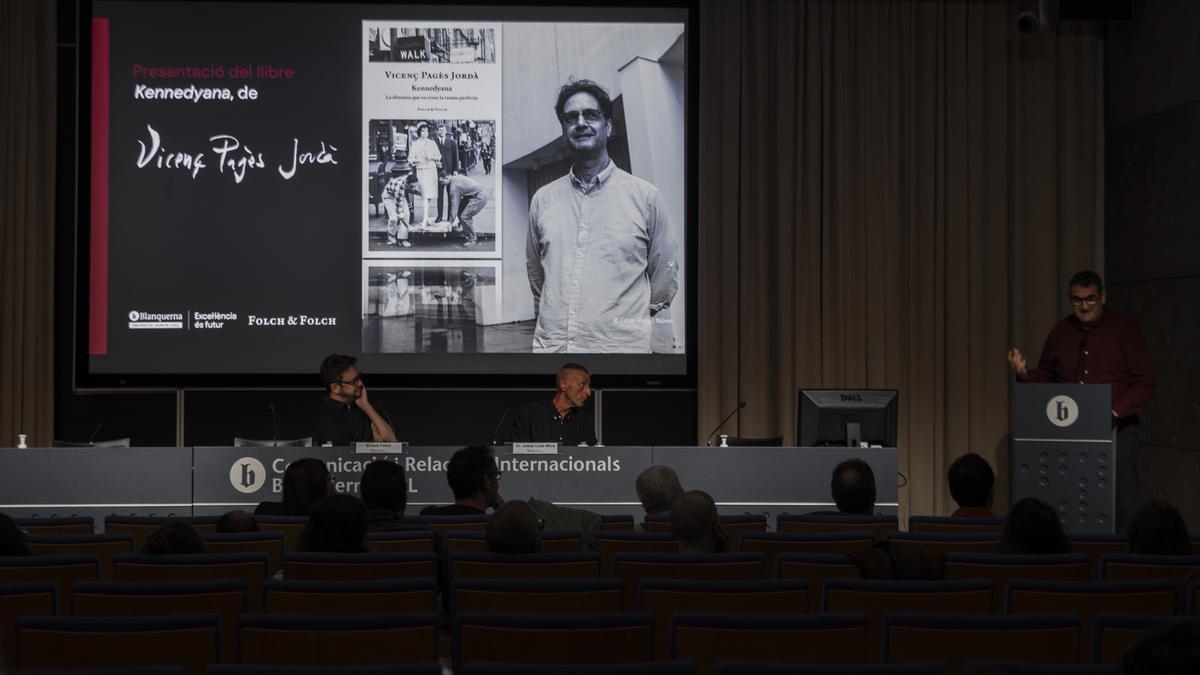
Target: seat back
[
  {"x": 466, "y": 541},
  {"x": 708, "y": 639},
  {"x": 667, "y": 597},
  {"x": 56, "y": 525},
  {"x": 351, "y": 597},
  {"x": 625, "y": 637},
  {"x": 61, "y": 571},
  {"x": 1192, "y": 598},
  {"x": 876, "y": 598},
  {"x": 227, "y": 599},
  {"x": 402, "y": 541},
  {"x": 289, "y": 526},
  {"x": 951, "y": 525},
  {"x": 609, "y": 544},
  {"x": 958, "y": 638},
  {"x": 1133, "y": 567},
  {"x": 1096, "y": 545},
  {"x": 1000, "y": 569},
  {"x": 570, "y": 596},
  {"x": 327, "y": 640},
  {"x": 250, "y": 568},
  {"x": 634, "y": 567},
  {"x": 949, "y": 542},
  {"x": 358, "y": 566},
  {"x": 737, "y": 525},
  {"x": 534, "y": 566},
  {"x": 814, "y": 569},
  {"x": 774, "y": 544},
  {"x": 270, "y": 543},
  {"x": 1089, "y": 599},
  {"x": 562, "y": 542},
  {"x": 878, "y": 526},
  {"x": 90, "y": 643},
  {"x": 103, "y": 546},
  {"x": 443, "y": 525},
  {"x": 142, "y": 526},
  {"x": 1114, "y": 634},
  {"x": 617, "y": 523},
  {"x": 34, "y": 598}
]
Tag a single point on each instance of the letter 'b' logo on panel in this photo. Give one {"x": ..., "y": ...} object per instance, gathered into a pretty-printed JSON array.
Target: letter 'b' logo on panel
[
  {"x": 247, "y": 475},
  {"x": 1062, "y": 411}
]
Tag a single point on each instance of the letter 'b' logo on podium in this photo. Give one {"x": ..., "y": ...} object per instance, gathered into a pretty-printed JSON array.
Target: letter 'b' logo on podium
[
  {"x": 247, "y": 475},
  {"x": 1062, "y": 411}
]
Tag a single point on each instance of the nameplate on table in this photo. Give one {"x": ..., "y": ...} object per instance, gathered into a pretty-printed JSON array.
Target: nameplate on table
[
  {"x": 535, "y": 448},
  {"x": 379, "y": 448}
]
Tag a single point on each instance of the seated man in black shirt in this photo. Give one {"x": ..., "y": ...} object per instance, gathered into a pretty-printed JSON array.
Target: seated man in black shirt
[
  {"x": 345, "y": 416},
  {"x": 475, "y": 481},
  {"x": 562, "y": 418}
]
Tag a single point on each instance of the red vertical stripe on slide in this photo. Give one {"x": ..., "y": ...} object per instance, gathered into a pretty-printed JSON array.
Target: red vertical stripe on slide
[{"x": 98, "y": 288}]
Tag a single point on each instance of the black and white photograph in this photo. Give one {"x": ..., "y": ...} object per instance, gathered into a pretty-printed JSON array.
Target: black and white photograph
[
  {"x": 394, "y": 44},
  {"x": 431, "y": 189},
  {"x": 434, "y": 306}
]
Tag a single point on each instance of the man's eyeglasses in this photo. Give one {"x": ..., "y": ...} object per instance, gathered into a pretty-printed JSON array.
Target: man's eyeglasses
[
  {"x": 589, "y": 115},
  {"x": 1088, "y": 300},
  {"x": 351, "y": 383}
]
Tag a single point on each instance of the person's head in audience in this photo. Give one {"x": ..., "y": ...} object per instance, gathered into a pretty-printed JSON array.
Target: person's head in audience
[
  {"x": 657, "y": 487},
  {"x": 853, "y": 487},
  {"x": 237, "y": 521},
  {"x": 1157, "y": 528},
  {"x": 514, "y": 529},
  {"x": 971, "y": 485},
  {"x": 695, "y": 523},
  {"x": 474, "y": 478},
  {"x": 173, "y": 538},
  {"x": 1173, "y": 649},
  {"x": 384, "y": 487},
  {"x": 1032, "y": 526},
  {"x": 12, "y": 538},
  {"x": 337, "y": 524},
  {"x": 305, "y": 482}
]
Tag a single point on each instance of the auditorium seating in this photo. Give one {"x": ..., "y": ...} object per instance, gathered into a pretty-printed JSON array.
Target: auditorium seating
[
  {"x": 141, "y": 526},
  {"x": 1096, "y": 545},
  {"x": 616, "y": 523},
  {"x": 1012, "y": 668},
  {"x": 1089, "y": 599},
  {"x": 331, "y": 640},
  {"x": 191, "y": 641},
  {"x": 250, "y": 568},
  {"x": 244, "y": 669},
  {"x": 707, "y": 639},
  {"x": 1192, "y": 598},
  {"x": 397, "y": 596},
  {"x": 609, "y": 544},
  {"x": 751, "y": 668},
  {"x": 534, "y": 566},
  {"x": 774, "y": 544},
  {"x": 61, "y": 571},
  {"x": 442, "y": 525},
  {"x": 270, "y": 543},
  {"x": 627, "y": 637},
  {"x": 949, "y": 525},
  {"x": 957, "y": 638},
  {"x": 814, "y": 569},
  {"x": 660, "y": 668},
  {"x": 667, "y": 597},
  {"x": 631, "y": 568},
  {"x": 1114, "y": 634},
  {"x": 475, "y": 541},
  {"x": 878, "y": 526},
  {"x": 358, "y": 566},
  {"x": 734, "y": 526},
  {"x": 103, "y": 546},
  {"x": 402, "y": 541},
  {"x": 34, "y": 598},
  {"x": 519, "y": 596},
  {"x": 948, "y": 542},
  {"x": 56, "y": 525},
  {"x": 289, "y": 526},
  {"x": 1129, "y": 566},
  {"x": 875, "y": 598},
  {"x": 1000, "y": 569}
]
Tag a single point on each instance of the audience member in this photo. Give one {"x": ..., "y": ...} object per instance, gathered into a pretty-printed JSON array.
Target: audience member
[
  {"x": 237, "y": 521},
  {"x": 305, "y": 482},
  {"x": 1157, "y": 528},
  {"x": 695, "y": 523},
  {"x": 1173, "y": 649},
  {"x": 337, "y": 524},
  {"x": 1033, "y": 527},
  {"x": 514, "y": 529},
  {"x": 657, "y": 488},
  {"x": 12, "y": 538},
  {"x": 475, "y": 482},
  {"x": 971, "y": 485},
  {"x": 853, "y": 488},
  {"x": 385, "y": 493},
  {"x": 173, "y": 538}
]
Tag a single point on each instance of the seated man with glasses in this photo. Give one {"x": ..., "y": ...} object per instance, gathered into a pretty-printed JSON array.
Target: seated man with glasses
[
  {"x": 1098, "y": 346},
  {"x": 345, "y": 416},
  {"x": 475, "y": 482}
]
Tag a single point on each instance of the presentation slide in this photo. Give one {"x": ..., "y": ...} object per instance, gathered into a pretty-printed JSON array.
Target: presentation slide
[{"x": 443, "y": 189}]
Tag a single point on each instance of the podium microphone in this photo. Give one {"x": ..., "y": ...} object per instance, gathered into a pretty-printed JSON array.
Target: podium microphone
[
  {"x": 740, "y": 405},
  {"x": 498, "y": 424},
  {"x": 92, "y": 438},
  {"x": 274, "y": 425}
]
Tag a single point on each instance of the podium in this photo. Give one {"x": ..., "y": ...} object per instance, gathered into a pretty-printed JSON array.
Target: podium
[{"x": 1064, "y": 452}]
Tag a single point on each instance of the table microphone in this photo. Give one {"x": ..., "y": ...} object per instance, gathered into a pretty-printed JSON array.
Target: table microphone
[
  {"x": 740, "y": 405},
  {"x": 497, "y": 429},
  {"x": 92, "y": 438},
  {"x": 274, "y": 424}
]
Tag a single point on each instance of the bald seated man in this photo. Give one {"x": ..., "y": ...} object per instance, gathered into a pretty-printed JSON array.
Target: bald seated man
[
  {"x": 695, "y": 523},
  {"x": 514, "y": 529},
  {"x": 657, "y": 487}
]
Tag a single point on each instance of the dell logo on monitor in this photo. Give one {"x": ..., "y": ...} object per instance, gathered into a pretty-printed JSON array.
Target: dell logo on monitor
[{"x": 852, "y": 397}]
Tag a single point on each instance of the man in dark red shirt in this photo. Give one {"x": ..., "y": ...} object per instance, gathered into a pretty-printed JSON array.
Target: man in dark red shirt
[{"x": 1098, "y": 346}]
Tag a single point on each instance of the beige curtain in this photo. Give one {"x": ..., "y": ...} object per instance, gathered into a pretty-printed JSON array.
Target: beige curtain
[
  {"x": 892, "y": 193},
  {"x": 27, "y": 142}
]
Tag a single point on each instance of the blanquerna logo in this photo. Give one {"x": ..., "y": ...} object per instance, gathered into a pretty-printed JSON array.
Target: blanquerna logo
[
  {"x": 1062, "y": 411},
  {"x": 247, "y": 475}
]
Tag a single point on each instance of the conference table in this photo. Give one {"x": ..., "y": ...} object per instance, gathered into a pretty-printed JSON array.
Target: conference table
[{"x": 201, "y": 481}]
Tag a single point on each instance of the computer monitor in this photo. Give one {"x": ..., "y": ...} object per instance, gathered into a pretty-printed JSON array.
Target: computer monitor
[{"x": 847, "y": 417}]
